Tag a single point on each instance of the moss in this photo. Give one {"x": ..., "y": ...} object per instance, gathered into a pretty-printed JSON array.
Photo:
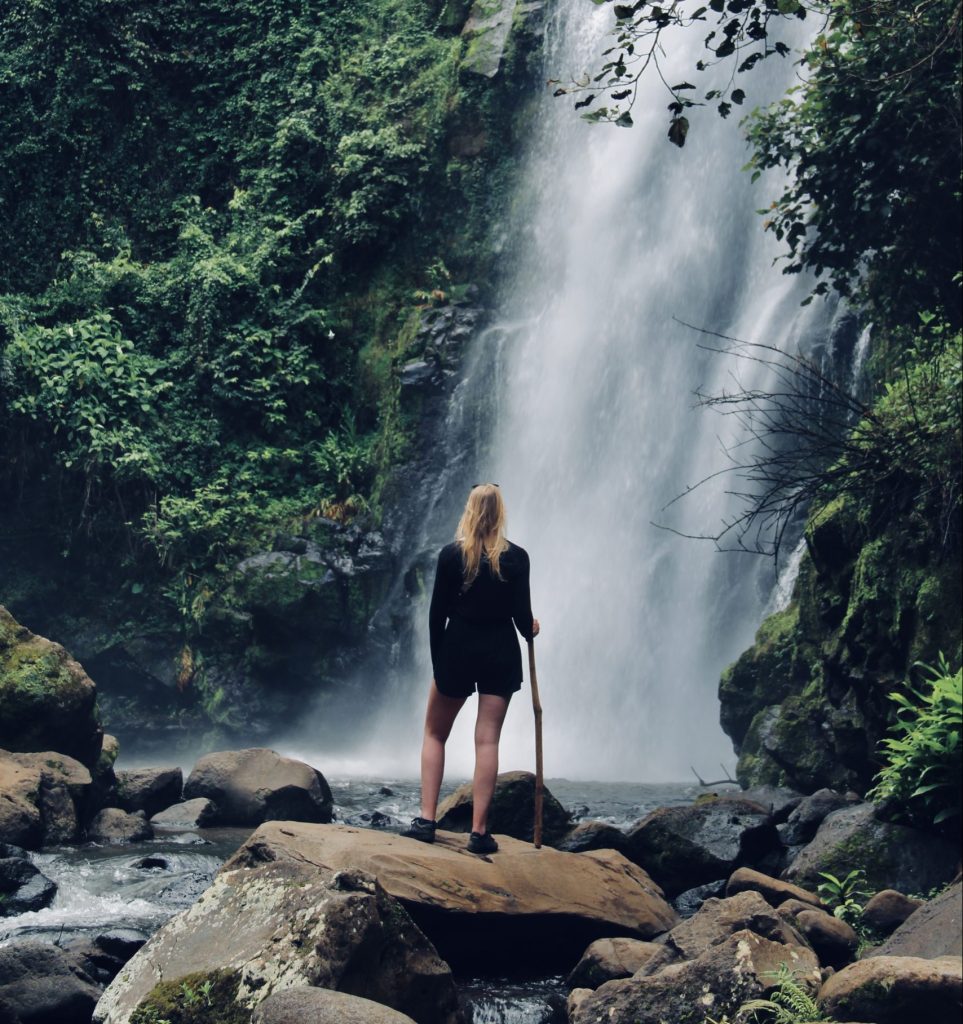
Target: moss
[{"x": 207, "y": 997}]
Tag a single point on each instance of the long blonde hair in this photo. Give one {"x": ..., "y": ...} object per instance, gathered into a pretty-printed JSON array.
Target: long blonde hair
[{"x": 481, "y": 530}]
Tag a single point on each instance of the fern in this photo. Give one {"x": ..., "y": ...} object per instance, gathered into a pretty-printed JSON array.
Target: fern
[{"x": 790, "y": 1004}]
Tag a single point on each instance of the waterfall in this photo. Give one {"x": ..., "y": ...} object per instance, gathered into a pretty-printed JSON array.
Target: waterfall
[
  {"x": 596, "y": 430},
  {"x": 587, "y": 380}
]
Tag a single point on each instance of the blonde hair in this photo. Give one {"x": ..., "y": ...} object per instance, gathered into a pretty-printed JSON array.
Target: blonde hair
[{"x": 481, "y": 530}]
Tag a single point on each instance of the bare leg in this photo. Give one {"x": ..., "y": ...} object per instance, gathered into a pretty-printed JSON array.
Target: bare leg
[
  {"x": 439, "y": 719},
  {"x": 488, "y": 729}
]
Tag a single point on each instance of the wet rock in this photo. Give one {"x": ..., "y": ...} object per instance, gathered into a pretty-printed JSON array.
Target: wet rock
[
  {"x": 833, "y": 940},
  {"x": 887, "y": 910},
  {"x": 489, "y": 913},
  {"x": 896, "y": 989},
  {"x": 47, "y": 700},
  {"x": 682, "y": 847},
  {"x": 419, "y": 374},
  {"x": 152, "y": 864},
  {"x": 688, "y": 903},
  {"x": 113, "y": 827},
  {"x": 593, "y": 835},
  {"x": 742, "y": 967},
  {"x": 279, "y": 924},
  {"x": 23, "y": 886},
  {"x": 305, "y": 1005},
  {"x": 719, "y": 918},
  {"x": 41, "y": 798},
  {"x": 41, "y": 984},
  {"x": 149, "y": 789},
  {"x": 935, "y": 930},
  {"x": 606, "y": 959},
  {"x": 512, "y": 811},
  {"x": 248, "y": 787},
  {"x": 803, "y": 822},
  {"x": 575, "y": 999},
  {"x": 773, "y": 890},
  {"x": 891, "y": 856},
  {"x": 780, "y": 802},
  {"x": 103, "y": 789},
  {"x": 197, "y": 813},
  {"x": 102, "y": 957}
]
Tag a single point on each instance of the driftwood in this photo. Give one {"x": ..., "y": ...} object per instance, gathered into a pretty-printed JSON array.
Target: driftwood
[{"x": 728, "y": 780}]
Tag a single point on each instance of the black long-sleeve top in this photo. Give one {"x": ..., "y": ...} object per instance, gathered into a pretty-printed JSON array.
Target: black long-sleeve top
[{"x": 489, "y": 600}]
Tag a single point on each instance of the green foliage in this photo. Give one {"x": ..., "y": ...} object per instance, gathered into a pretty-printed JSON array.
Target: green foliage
[
  {"x": 202, "y": 998},
  {"x": 923, "y": 755},
  {"x": 844, "y": 896},
  {"x": 872, "y": 140},
  {"x": 214, "y": 222}
]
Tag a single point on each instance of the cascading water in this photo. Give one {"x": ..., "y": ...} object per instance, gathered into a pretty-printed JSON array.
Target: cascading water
[{"x": 588, "y": 377}]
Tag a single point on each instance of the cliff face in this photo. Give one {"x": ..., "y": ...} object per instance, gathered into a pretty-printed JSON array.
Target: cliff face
[{"x": 807, "y": 704}]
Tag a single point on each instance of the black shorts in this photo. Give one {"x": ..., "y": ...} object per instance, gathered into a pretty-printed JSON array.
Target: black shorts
[{"x": 479, "y": 655}]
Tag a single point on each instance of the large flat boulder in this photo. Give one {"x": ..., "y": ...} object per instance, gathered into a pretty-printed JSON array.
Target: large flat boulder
[
  {"x": 542, "y": 905},
  {"x": 251, "y": 786},
  {"x": 47, "y": 700},
  {"x": 283, "y": 923},
  {"x": 891, "y": 856}
]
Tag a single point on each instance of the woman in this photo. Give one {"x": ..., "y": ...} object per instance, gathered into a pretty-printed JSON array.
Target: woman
[{"x": 481, "y": 588}]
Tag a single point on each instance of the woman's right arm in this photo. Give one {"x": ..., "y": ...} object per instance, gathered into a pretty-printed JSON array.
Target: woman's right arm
[{"x": 438, "y": 611}]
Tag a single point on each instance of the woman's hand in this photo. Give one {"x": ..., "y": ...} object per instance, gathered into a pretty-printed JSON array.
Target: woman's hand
[{"x": 535, "y": 628}]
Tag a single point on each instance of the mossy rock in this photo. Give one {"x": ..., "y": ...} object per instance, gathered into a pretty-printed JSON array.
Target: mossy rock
[
  {"x": 47, "y": 701},
  {"x": 203, "y": 998}
]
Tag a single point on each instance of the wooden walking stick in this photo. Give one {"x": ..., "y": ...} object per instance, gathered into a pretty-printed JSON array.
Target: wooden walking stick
[{"x": 537, "y": 707}]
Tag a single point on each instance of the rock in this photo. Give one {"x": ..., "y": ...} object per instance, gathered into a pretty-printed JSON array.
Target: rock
[
  {"x": 42, "y": 796},
  {"x": 197, "y": 813},
  {"x": 275, "y": 925},
  {"x": 593, "y": 835},
  {"x": 606, "y": 959},
  {"x": 487, "y": 30},
  {"x": 779, "y": 801},
  {"x": 103, "y": 790},
  {"x": 833, "y": 940},
  {"x": 887, "y": 910},
  {"x": 47, "y": 700},
  {"x": 717, "y": 919},
  {"x": 682, "y": 847},
  {"x": 935, "y": 930},
  {"x": 23, "y": 886},
  {"x": 102, "y": 957},
  {"x": 773, "y": 890},
  {"x": 305, "y": 1005},
  {"x": 726, "y": 975},
  {"x": 512, "y": 810},
  {"x": 112, "y": 826},
  {"x": 575, "y": 999},
  {"x": 802, "y": 823},
  {"x": 891, "y": 856},
  {"x": 518, "y": 905},
  {"x": 251, "y": 786},
  {"x": 419, "y": 374},
  {"x": 149, "y": 789},
  {"x": 896, "y": 989},
  {"x": 688, "y": 903},
  {"x": 42, "y": 984}
]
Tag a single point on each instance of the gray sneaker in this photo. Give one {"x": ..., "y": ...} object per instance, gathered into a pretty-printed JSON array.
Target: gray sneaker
[
  {"x": 421, "y": 829},
  {"x": 482, "y": 842}
]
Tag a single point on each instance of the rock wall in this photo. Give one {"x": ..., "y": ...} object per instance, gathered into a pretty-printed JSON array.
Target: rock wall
[{"x": 807, "y": 704}]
